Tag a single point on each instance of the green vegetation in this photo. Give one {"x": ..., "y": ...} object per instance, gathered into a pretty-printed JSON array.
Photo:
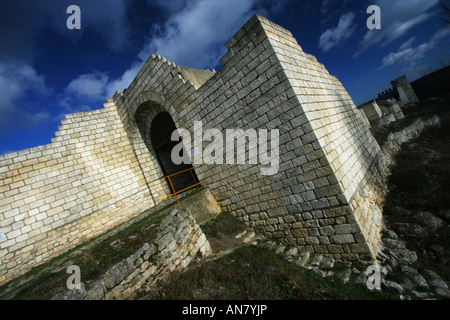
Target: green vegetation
[
  {"x": 254, "y": 273},
  {"x": 93, "y": 257},
  {"x": 419, "y": 181},
  {"x": 223, "y": 223},
  {"x": 49, "y": 280}
]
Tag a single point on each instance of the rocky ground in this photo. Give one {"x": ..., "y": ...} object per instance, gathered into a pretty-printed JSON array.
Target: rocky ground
[
  {"x": 414, "y": 254},
  {"x": 413, "y": 258},
  {"x": 417, "y": 216},
  {"x": 247, "y": 266}
]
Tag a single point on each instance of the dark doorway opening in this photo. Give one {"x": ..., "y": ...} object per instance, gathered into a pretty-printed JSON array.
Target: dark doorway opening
[{"x": 160, "y": 135}]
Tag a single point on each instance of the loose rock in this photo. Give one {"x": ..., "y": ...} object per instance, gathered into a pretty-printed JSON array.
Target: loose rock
[
  {"x": 429, "y": 220},
  {"x": 73, "y": 294}
]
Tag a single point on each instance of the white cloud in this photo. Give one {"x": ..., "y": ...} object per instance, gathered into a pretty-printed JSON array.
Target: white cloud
[
  {"x": 88, "y": 86},
  {"x": 19, "y": 78},
  {"x": 16, "y": 81},
  {"x": 407, "y": 44},
  {"x": 124, "y": 81},
  {"x": 441, "y": 34},
  {"x": 397, "y": 18},
  {"x": 89, "y": 91},
  {"x": 407, "y": 55},
  {"x": 333, "y": 37},
  {"x": 195, "y": 36},
  {"x": 86, "y": 92}
]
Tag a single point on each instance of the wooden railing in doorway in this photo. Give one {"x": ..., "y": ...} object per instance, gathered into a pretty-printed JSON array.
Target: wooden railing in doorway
[{"x": 175, "y": 193}]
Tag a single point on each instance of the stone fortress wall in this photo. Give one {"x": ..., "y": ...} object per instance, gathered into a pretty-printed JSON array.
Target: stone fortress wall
[
  {"x": 101, "y": 169},
  {"x": 56, "y": 196},
  {"x": 267, "y": 81},
  {"x": 388, "y": 106}
]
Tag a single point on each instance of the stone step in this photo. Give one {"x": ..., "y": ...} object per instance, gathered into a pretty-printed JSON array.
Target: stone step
[
  {"x": 327, "y": 261},
  {"x": 344, "y": 274},
  {"x": 303, "y": 258},
  {"x": 280, "y": 249},
  {"x": 314, "y": 261},
  {"x": 240, "y": 235},
  {"x": 249, "y": 238}
]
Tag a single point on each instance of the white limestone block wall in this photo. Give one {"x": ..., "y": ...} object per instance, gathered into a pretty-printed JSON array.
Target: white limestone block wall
[{"x": 56, "y": 196}]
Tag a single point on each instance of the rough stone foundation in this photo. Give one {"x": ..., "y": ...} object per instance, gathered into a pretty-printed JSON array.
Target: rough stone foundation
[{"x": 179, "y": 240}]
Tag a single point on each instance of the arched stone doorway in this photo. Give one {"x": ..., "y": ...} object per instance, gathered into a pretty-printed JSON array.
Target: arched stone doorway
[
  {"x": 161, "y": 130},
  {"x": 150, "y": 131}
]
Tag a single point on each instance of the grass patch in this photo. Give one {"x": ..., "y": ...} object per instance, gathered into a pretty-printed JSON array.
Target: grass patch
[
  {"x": 255, "y": 273},
  {"x": 223, "y": 223},
  {"x": 93, "y": 262},
  {"x": 93, "y": 257},
  {"x": 103, "y": 256}
]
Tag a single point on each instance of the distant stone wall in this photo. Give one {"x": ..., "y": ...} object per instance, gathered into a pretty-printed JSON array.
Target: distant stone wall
[
  {"x": 382, "y": 115},
  {"x": 59, "y": 195},
  {"x": 401, "y": 94},
  {"x": 404, "y": 90},
  {"x": 395, "y": 139},
  {"x": 372, "y": 110},
  {"x": 179, "y": 240}
]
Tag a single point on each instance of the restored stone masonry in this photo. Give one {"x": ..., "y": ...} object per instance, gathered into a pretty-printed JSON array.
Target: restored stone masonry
[
  {"x": 179, "y": 240},
  {"x": 101, "y": 169},
  {"x": 59, "y": 195},
  {"x": 388, "y": 106}
]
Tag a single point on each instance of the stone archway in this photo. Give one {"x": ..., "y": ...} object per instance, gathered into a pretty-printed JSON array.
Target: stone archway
[
  {"x": 150, "y": 133},
  {"x": 161, "y": 129}
]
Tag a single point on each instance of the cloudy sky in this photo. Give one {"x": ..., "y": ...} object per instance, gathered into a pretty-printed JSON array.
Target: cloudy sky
[{"x": 47, "y": 70}]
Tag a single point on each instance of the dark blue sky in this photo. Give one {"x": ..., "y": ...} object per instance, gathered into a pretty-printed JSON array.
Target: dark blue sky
[{"x": 47, "y": 70}]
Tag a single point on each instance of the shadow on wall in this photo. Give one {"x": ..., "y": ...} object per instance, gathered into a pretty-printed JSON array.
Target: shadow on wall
[
  {"x": 432, "y": 85},
  {"x": 203, "y": 206}
]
